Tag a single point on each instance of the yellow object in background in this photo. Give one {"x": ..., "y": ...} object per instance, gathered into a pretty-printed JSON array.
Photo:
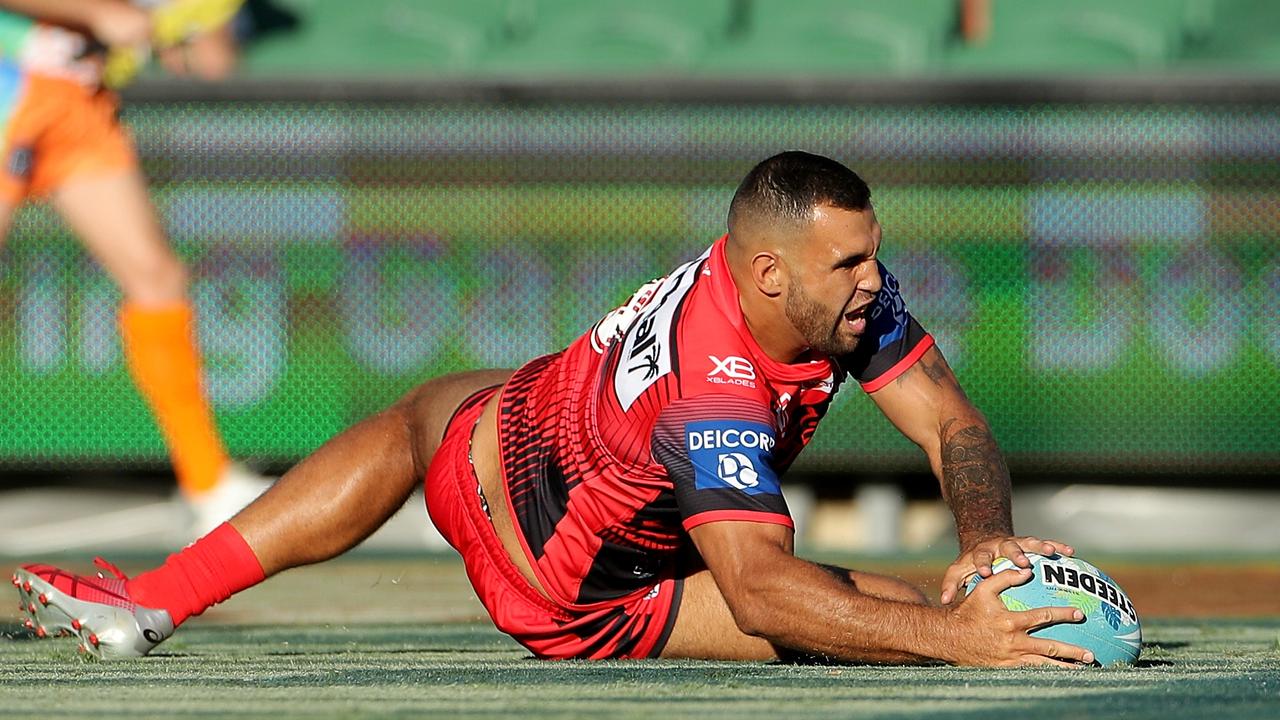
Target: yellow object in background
[{"x": 173, "y": 23}]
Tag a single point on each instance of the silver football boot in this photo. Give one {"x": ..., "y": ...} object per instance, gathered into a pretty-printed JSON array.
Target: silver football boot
[{"x": 97, "y": 610}]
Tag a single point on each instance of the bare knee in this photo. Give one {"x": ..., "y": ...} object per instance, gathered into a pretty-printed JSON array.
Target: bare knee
[
  {"x": 159, "y": 279},
  {"x": 898, "y": 590},
  {"x": 881, "y": 586}
]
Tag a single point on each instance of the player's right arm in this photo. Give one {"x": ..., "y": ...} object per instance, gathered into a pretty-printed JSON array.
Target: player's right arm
[
  {"x": 718, "y": 452},
  {"x": 114, "y": 23},
  {"x": 796, "y": 604}
]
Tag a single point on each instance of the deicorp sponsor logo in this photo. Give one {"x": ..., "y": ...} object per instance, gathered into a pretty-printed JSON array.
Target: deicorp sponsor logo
[
  {"x": 732, "y": 454},
  {"x": 715, "y": 438},
  {"x": 731, "y": 370},
  {"x": 737, "y": 470}
]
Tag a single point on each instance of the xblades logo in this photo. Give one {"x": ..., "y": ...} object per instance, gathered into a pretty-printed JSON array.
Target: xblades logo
[
  {"x": 732, "y": 370},
  {"x": 151, "y": 635},
  {"x": 732, "y": 366}
]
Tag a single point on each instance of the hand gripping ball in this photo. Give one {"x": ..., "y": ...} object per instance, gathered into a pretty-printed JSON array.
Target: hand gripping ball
[{"x": 1111, "y": 629}]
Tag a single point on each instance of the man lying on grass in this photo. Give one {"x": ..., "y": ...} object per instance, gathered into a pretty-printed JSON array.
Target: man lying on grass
[{"x": 621, "y": 498}]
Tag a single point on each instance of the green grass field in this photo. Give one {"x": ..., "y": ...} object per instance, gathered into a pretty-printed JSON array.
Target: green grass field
[{"x": 376, "y": 636}]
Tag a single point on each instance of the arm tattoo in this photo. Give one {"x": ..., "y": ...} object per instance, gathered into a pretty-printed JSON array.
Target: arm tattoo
[
  {"x": 936, "y": 370},
  {"x": 975, "y": 482}
]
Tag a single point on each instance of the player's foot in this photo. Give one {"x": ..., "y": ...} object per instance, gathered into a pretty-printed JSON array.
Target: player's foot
[
  {"x": 238, "y": 486},
  {"x": 97, "y": 610}
]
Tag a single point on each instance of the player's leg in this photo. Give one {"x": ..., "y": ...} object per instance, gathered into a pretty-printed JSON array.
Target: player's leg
[
  {"x": 348, "y": 488},
  {"x": 86, "y": 164},
  {"x": 705, "y": 628},
  {"x": 324, "y": 506}
]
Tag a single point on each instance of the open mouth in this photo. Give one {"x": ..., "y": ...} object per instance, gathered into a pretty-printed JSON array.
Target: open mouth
[{"x": 856, "y": 320}]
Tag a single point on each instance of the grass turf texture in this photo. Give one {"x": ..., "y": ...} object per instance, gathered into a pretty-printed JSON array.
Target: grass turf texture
[{"x": 401, "y": 637}]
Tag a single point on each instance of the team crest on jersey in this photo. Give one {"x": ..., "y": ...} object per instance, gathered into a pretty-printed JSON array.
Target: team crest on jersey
[
  {"x": 732, "y": 455},
  {"x": 646, "y": 347}
]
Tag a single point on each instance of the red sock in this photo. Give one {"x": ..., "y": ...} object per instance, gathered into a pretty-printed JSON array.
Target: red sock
[{"x": 205, "y": 573}]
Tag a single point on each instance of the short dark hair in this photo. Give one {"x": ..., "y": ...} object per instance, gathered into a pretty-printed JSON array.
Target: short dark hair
[{"x": 789, "y": 185}]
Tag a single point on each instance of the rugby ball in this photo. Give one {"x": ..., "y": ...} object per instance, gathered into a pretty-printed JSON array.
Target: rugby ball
[{"x": 1110, "y": 628}]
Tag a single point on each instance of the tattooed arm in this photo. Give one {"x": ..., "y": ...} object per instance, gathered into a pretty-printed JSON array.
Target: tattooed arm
[{"x": 927, "y": 404}]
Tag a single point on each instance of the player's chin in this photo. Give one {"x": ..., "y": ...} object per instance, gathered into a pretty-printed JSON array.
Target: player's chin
[
  {"x": 848, "y": 339},
  {"x": 842, "y": 346}
]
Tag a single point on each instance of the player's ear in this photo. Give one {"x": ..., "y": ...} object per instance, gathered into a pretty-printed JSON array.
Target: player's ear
[{"x": 768, "y": 273}]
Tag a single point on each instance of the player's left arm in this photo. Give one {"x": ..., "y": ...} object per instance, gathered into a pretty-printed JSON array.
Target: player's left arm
[{"x": 926, "y": 403}]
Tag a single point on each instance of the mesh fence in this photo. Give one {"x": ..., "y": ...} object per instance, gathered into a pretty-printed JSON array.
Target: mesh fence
[{"x": 1104, "y": 278}]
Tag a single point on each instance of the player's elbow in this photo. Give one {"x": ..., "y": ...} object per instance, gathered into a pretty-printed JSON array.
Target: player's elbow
[
  {"x": 751, "y": 619},
  {"x": 753, "y": 611}
]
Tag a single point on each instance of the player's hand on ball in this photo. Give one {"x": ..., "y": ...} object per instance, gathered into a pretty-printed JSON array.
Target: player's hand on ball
[
  {"x": 978, "y": 559},
  {"x": 990, "y": 635}
]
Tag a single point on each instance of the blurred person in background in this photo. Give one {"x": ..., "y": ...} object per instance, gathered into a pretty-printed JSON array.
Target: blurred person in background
[{"x": 63, "y": 143}]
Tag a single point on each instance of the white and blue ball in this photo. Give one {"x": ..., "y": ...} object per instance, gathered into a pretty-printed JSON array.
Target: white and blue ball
[{"x": 1111, "y": 629}]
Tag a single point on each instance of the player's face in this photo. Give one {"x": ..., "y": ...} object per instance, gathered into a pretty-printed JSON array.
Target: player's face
[{"x": 834, "y": 279}]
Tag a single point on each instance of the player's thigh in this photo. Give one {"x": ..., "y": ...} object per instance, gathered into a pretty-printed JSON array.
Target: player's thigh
[
  {"x": 705, "y": 628},
  {"x": 434, "y": 402},
  {"x": 113, "y": 216}
]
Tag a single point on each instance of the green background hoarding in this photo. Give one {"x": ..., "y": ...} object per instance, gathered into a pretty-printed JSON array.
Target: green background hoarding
[{"x": 1104, "y": 278}]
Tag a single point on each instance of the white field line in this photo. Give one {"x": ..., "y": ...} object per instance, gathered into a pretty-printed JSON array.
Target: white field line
[{"x": 77, "y": 532}]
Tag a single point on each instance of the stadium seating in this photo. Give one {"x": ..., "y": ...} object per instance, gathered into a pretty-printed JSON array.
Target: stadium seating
[
  {"x": 592, "y": 37},
  {"x": 338, "y": 39},
  {"x": 1029, "y": 36},
  {"x": 836, "y": 37},
  {"x": 762, "y": 38},
  {"x": 1239, "y": 35}
]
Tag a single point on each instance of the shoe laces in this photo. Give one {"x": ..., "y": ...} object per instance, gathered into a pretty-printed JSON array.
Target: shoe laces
[{"x": 108, "y": 566}]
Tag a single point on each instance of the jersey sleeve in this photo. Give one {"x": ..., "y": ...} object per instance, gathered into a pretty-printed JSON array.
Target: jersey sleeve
[
  {"x": 892, "y": 342},
  {"x": 718, "y": 452}
]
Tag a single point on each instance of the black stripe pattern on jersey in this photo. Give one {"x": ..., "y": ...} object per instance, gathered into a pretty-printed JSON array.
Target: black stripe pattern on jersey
[
  {"x": 537, "y": 484},
  {"x": 628, "y": 562}
]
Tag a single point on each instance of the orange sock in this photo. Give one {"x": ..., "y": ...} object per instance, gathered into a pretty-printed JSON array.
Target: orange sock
[{"x": 159, "y": 345}]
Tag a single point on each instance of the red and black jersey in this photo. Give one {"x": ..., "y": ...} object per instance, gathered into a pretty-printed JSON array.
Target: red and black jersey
[{"x": 667, "y": 415}]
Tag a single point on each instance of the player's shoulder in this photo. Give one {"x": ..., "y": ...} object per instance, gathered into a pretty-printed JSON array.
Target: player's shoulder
[
  {"x": 720, "y": 368},
  {"x": 714, "y": 358}
]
